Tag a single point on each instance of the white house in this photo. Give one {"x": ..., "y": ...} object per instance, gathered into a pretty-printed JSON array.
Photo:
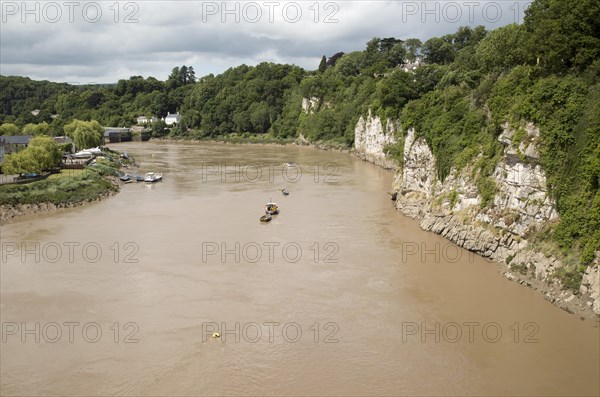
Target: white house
[
  {"x": 145, "y": 120},
  {"x": 172, "y": 119},
  {"x": 409, "y": 66}
]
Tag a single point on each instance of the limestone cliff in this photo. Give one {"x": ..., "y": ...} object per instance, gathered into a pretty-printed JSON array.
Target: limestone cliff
[
  {"x": 370, "y": 139},
  {"x": 453, "y": 207}
]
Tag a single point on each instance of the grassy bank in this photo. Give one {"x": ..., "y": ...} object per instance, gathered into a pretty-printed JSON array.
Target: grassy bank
[{"x": 69, "y": 186}]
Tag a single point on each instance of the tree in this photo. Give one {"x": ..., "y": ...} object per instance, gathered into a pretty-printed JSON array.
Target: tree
[
  {"x": 45, "y": 151},
  {"x": 36, "y": 129},
  {"x": 20, "y": 163},
  {"x": 41, "y": 154},
  {"x": 158, "y": 128},
  {"x": 191, "y": 78},
  {"x": 9, "y": 129},
  {"x": 259, "y": 117},
  {"x": 323, "y": 64},
  {"x": 333, "y": 59},
  {"x": 85, "y": 134},
  {"x": 413, "y": 48},
  {"x": 503, "y": 49},
  {"x": 439, "y": 50},
  {"x": 564, "y": 35},
  {"x": 396, "y": 55},
  {"x": 350, "y": 64}
]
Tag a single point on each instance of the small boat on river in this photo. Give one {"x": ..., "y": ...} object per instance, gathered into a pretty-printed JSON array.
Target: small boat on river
[
  {"x": 152, "y": 177},
  {"x": 271, "y": 208},
  {"x": 266, "y": 218}
]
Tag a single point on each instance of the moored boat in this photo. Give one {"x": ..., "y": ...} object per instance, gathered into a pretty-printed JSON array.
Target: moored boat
[
  {"x": 272, "y": 208},
  {"x": 266, "y": 218},
  {"x": 285, "y": 192},
  {"x": 152, "y": 177}
]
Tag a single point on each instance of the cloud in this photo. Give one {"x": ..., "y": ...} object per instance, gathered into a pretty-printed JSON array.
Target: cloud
[{"x": 106, "y": 41}]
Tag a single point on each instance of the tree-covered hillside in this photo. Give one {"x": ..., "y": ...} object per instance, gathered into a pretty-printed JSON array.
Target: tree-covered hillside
[{"x": 111, "y": 105}]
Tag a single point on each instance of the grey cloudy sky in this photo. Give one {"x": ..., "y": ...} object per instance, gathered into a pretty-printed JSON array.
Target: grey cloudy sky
[{"x": 103, "y": 41}]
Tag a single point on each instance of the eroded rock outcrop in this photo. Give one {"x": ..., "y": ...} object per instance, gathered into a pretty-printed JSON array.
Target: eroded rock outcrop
[
  {"x": 452, "y": 208},
  {"x": 371, "y": 138}
]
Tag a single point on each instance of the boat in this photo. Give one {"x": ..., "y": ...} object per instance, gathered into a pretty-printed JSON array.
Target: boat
[
  {"x": 94, "y": 150},
  {"x": 291, "y": 164},
  {"x": 266, "y": 218},
  {"x": 84, "y": 154},
  {"x": 285, "y": 192},
  {"x": 125, "y": 177},
  {"x": 271, "y": 208},
  {"x": 139, "y": 178},
  {"x": 152, "y": 177}
]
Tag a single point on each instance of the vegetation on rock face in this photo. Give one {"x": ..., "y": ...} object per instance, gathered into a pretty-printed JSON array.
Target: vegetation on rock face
[{"x": 544, "y": 71}]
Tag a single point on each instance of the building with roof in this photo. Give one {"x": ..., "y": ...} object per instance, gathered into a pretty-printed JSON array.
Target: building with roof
[
  {"x": 141, "y": 120},
  {"x": 173, "y": 119},
  {"x": 13, "y": 143}
]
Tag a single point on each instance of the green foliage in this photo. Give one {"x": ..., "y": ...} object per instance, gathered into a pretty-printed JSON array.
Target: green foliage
[
  {"x": 21, "y": 162},
  {"x": 9, "y": 129},
  {"x": 563, "y": 35},
  {"x": 487, "y": 190},
  {"x": 85, "y": 134},
  {"x": 323, "y": 64},
  {"x": 395, "y": 152},
  {"x": 518, "y": 137},
  {"x": 63, "y": 190},
  {"x": 41, "y": 154},
  {"x": 450, "y": 124},
  {"x": 453, "y": 197},
  {"x": 570, "y": 277},
  {"x": 45, "y": 152},
  {"x": 519, "y": 267},
  {"x": 243, "y": 99},
  {"x": 42, "y": 128},
  {"x": 503, "y": 49}
]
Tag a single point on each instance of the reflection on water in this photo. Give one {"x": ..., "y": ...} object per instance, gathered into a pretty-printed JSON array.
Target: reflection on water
[{"x": 339, "y": 294}]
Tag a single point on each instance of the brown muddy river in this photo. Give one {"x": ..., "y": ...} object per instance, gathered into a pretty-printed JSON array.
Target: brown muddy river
[{"x": 338, "y": 295}]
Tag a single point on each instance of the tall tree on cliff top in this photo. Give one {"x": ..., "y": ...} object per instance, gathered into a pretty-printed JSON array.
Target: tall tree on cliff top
[
  {"x": 564, "y": 34},
  {"x": 323, "y": 64}
]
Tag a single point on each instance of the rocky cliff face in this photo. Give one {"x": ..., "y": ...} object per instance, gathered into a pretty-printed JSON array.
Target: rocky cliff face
[
  {"x": 452, "y": 208},
  {"x": 370, "y": 139}
]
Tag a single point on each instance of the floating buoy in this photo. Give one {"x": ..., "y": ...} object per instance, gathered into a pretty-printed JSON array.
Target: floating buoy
[{"x": 216, "y": 335}]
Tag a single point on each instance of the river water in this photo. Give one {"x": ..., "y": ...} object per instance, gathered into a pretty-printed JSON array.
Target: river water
[{"x": 338, "y": 295}]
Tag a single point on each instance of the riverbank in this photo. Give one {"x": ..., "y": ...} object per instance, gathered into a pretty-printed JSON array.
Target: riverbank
[
  {"x": 263, "y": 141},
  {"x": 68, "y": 189}
]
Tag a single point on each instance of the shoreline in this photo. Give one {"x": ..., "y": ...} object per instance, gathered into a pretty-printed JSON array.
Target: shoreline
[
  {"x": 562, "y": 298},
  {"x": 9, "y": 213}
]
